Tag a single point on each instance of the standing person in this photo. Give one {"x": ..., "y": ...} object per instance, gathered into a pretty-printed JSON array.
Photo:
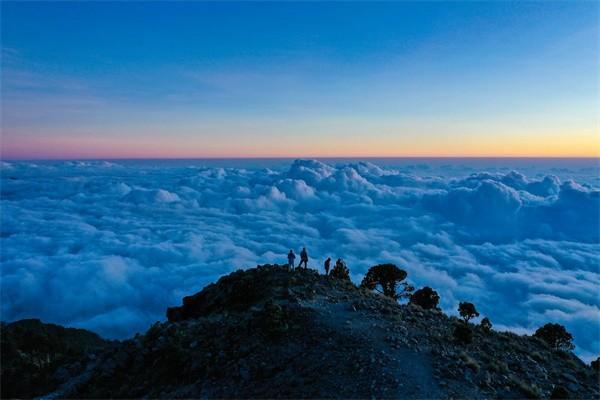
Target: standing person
[
  {"x": 303, "y": 258},
  {"x": 291, "y": 258},
  {"x": 327, "y": 265}
]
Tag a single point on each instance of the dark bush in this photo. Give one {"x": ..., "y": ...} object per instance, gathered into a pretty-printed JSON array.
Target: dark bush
[
  {"x": 559, "y": 393},
  {"x": 467, "y": 311},
  {"x": 486, "y": 324},
  {"x": 596, "y": 365},
  {"x": 387, "y": 276},
  {"x": 463, "y": 333},
  {"x": 426, "y": 298},
  {"x": 340, "y": 271},
  {"x": 273, "y": 320},
  {"x": 556, "y": 336}
]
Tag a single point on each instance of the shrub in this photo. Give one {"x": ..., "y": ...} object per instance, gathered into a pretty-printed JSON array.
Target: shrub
[
  {"x": 387, "y": 276},
  {"x": 556, "y": 336},
  {"x": 153, "y": 333},
  {"x": 463, "y": 334},
  {"x": 537, "y": 356},
  {"x": 596, "y": 365},
  {"x": 425, "y": 297},
  {"x": 559, "y": 392},
  {"x": 340, "y": 271},
  {"x": 498, "y": 366},
  {"x": 470, "y": 362},
  {"x": 273, "y": 320},
  {"x": 530, "y": 392},
  {"x": 486, "y": 324},
  {"x": 467, "y": 311}
]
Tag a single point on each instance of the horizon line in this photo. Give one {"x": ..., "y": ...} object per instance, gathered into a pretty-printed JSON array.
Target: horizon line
[{"x": 293, "y": 158}]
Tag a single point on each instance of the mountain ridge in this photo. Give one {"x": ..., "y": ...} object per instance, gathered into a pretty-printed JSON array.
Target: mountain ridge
[{"x": 268, "y": 332}]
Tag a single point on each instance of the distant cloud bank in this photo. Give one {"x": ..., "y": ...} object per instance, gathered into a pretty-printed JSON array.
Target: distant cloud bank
[{"x": 108, "y": 247}]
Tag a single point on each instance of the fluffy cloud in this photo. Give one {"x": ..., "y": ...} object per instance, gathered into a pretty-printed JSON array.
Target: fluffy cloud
[{"x": 108, "y": 247}]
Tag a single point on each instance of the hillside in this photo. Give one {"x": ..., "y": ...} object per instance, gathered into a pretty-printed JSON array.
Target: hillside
[
  {"x": 37, "y": 356},
  {"x": 270, "y": 333}
]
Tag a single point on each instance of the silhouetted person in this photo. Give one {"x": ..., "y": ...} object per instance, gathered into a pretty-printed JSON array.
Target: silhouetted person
[
  {"x": 327, "y": 265},
  {"x": 339, "y": 263},
  {"x": 291, "y": 258},
  {"x": 303, "y": 258}
]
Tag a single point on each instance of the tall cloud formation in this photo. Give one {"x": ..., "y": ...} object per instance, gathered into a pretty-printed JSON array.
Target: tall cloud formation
[{"x": 108, "y": 247}]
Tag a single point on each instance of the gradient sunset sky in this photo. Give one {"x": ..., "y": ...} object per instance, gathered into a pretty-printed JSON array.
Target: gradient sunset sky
[{"x": 189, "y": 79}]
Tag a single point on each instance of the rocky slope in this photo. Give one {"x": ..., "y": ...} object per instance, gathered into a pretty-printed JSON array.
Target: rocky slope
[
  {"x": 270, "y": 333},
  {"x": 36, "y": 357}
]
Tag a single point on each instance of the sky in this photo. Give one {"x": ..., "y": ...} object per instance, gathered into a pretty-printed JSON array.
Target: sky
[{"x": 191, "y": 79}]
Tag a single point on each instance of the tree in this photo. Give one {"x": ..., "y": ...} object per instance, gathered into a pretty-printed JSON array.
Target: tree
[
  {"x": 462, "y": 333},
  {"x": 595, "y": 365},
  {"x": 340, "y": 271},
  {"x": 467, "y": 311},
  {"x": 486, "y": 324},
  {"x": 556, "y": 336},
  {"x": 387, "y": 276},
  {"x": 426, "y": 298}
]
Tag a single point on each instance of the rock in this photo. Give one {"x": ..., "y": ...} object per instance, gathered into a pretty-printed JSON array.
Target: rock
[
  {"x": 572, "y": 387},
  {"x": 568, "y": 377}
]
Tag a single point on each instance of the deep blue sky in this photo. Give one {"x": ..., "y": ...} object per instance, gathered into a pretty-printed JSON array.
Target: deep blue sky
[{"x": 100, "y": 79}]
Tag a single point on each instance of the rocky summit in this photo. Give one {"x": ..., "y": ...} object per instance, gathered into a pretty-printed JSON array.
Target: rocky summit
[{"x": 268, "y": 332}]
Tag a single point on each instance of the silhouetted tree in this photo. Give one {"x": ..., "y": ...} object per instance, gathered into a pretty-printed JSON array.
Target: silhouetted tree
[
  {"x": 387, "y": 276},
  {"x": 340, "y": 271},
  {"x": 596, "y": 365},
  {"x": 486, "y": 324},
  {"x": 462, "y": 333},
  {"x": 425, "y": 297},
  {"x": 556, "y": 336},
  {"x": 467, "y": 311}
]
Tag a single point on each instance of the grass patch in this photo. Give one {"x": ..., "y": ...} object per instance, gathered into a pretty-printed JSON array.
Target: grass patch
[
  {"x": 470, "y": 362},
  {"x": 529, "y": 391},
  {"x": 498, "y": 366}
]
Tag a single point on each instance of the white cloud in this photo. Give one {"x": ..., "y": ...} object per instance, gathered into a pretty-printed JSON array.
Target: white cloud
[{"x": 109, "y": 247}]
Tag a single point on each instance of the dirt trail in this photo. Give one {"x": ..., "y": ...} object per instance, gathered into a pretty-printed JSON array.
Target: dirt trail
[{"x": 410, "y": 372}]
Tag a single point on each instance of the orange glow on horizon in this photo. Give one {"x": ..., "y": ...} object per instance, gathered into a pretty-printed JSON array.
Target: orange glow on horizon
[{"x": 353, "y": 145}]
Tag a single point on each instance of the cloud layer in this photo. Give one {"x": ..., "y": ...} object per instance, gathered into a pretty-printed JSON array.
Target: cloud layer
[{"x": 109, "y": 246}]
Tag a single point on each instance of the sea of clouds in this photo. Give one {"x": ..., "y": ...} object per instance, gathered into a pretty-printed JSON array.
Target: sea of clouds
[{"x": 108, "y": 246}]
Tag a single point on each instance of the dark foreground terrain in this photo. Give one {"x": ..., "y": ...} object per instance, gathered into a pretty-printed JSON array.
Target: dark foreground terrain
[{"x": 270, "y": 333}]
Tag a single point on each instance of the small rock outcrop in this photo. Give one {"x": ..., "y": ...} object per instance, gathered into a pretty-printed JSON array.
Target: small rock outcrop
[{"x": 272, "y": 333}]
